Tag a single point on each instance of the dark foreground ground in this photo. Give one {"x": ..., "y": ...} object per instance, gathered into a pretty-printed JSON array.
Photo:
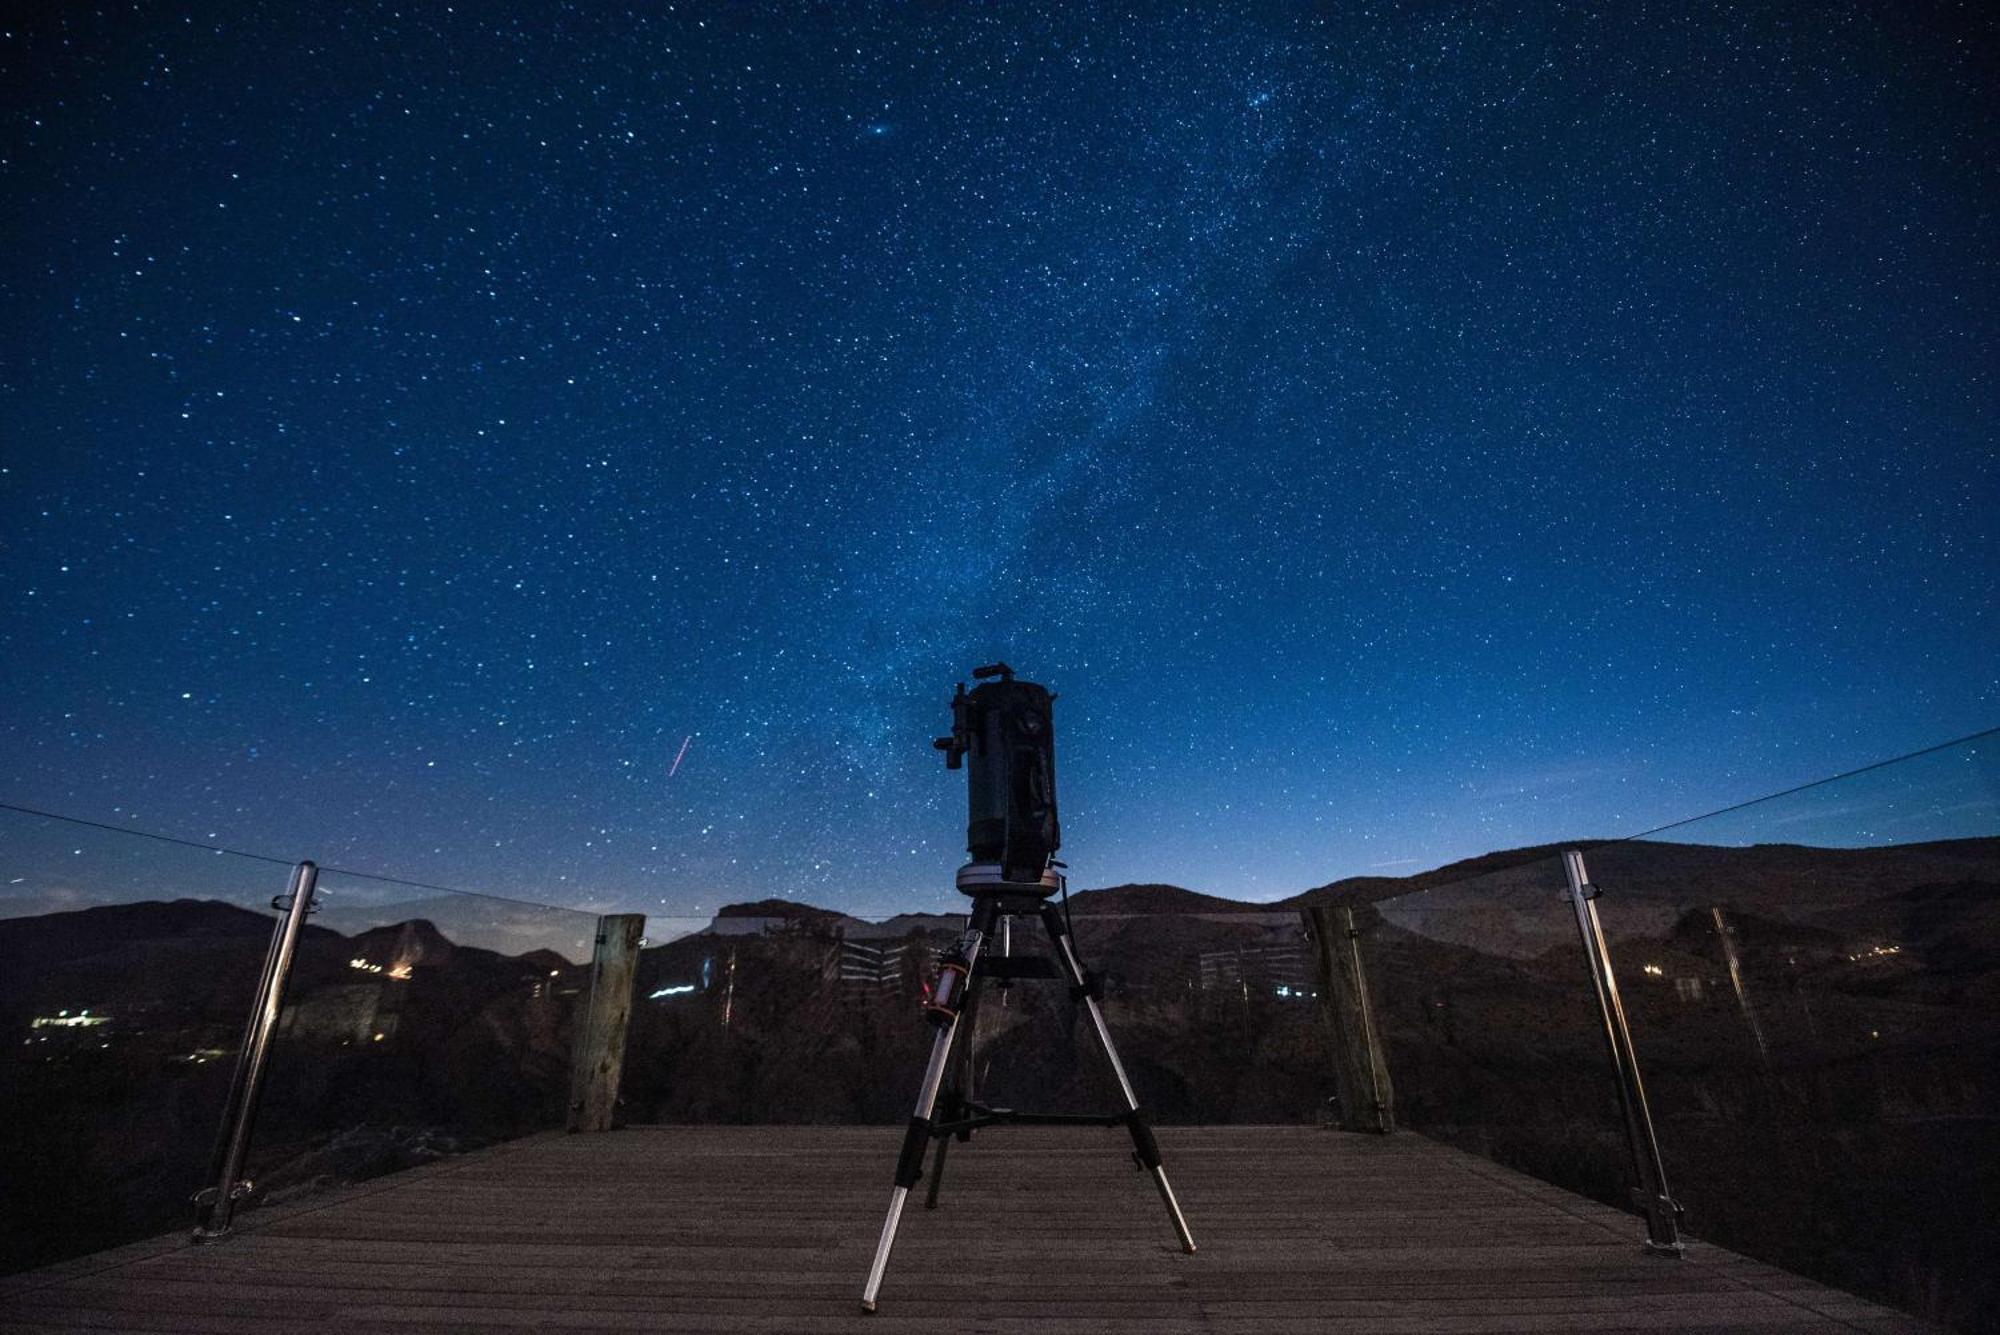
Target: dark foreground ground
[{"x": 724, "y": 1229}]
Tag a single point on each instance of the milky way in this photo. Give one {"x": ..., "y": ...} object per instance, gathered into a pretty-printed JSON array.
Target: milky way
[{"x": 1395, "y": 434}]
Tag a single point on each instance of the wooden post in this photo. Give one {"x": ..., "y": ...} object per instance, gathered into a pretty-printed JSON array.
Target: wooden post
[
  {"x": 1361, "y": 1076},
  {"x": 599, "y": 1054}
]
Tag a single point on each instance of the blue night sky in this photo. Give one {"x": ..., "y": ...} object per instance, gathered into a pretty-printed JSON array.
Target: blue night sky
[{"x": 1396, "y": 432}]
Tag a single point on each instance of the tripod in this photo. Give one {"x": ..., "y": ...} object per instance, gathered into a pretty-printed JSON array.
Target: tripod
[{"x": 954, "y": 1007}]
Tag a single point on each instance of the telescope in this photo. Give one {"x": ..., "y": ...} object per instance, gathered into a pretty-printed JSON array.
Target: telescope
[{"x": 1006, "y": 730}]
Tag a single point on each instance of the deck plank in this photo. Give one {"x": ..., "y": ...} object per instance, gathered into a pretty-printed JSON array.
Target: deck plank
[{"x": 770, "y": 1229}]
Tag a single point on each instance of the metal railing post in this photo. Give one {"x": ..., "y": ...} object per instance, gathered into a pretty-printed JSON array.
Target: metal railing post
[
  {"x": 1361, "y": 1075},
  {"x": 1650, "y": 1193},
  {"x": 1378, "y": 1069},
  {"x": 215, "y": 1206}
]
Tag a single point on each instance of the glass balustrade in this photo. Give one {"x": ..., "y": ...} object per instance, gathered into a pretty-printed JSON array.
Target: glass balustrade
[
  {"x": 819, "y": 1019},
  {"x": 417, "y": 1022},
  {"x": 1808, "y": 981},
  {"x": 127, "y": 965},
  {"x": 1814, "y": 982}
]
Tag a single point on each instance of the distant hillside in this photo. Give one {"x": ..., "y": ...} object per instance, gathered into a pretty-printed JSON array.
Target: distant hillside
[
  {"x": 182, "y": 956},
  {"x": 503, "y": 926},
  {"x": 1369, "y": 888},
  {"x": 1784, "y": 878},
  {"x": 61, "y": 933},
  {"x": 776, "y": 908},
  {"x": 1156, "y": 899}
]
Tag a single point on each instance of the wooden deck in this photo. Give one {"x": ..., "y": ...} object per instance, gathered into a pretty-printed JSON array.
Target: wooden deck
[{"x": 733, "y": 1229}]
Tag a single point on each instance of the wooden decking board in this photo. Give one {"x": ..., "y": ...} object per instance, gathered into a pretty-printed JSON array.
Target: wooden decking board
[
  {"x": 754, "y": 1229},
  {"x": 586, "y": 1290},
  {"x": 622, "y": 1307},
  {"x": 586, "y": 1276}
]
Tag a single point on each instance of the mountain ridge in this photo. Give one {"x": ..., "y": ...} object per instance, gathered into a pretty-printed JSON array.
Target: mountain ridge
[{"x": 1649, "y": 861}]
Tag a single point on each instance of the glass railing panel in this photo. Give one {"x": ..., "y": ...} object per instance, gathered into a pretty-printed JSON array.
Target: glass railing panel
[
  {"x": 1215, "y": 1014},
  {"x": 1813, "y": 984},
  {"x": 805, "y": 1017},
  {"x": 1490, "y": 1026},
  {"x": 419, "y": 1022},
  {"x": 818, "y": 1017},
  {"x": 127, "y": 965}
]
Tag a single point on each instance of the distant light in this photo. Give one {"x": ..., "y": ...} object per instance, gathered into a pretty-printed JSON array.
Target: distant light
[
  {"x": 378, "y": 1038},
  {"x": 64, "y": 1020},
  {"x": 1655, "y": 970},
  {"x": 675, "y": 991}
]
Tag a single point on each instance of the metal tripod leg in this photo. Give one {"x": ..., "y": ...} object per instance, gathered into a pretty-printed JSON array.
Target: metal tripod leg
[
  {"x": 910, "y": 1164},
  {"x": 1144, "y": 1147},
  {"x": 968, "y": 1023}
]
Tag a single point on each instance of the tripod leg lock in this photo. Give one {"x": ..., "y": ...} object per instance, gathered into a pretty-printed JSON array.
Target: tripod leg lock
[
  {"x": 1145, "y": 1149},
  {"x": 910, "y": 1163}
]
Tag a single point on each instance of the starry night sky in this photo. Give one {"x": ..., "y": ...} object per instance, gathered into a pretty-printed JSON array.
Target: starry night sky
[{"x": 1395, "y": 432}]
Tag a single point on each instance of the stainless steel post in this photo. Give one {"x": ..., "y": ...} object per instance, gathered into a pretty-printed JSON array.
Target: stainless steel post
[
  {"x": 215, "y": 1206},
  {"x": 1650, "y": 1192}
]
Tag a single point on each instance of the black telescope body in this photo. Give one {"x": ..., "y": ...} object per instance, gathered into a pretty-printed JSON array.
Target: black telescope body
[{"x": 1003, "y": 731}]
